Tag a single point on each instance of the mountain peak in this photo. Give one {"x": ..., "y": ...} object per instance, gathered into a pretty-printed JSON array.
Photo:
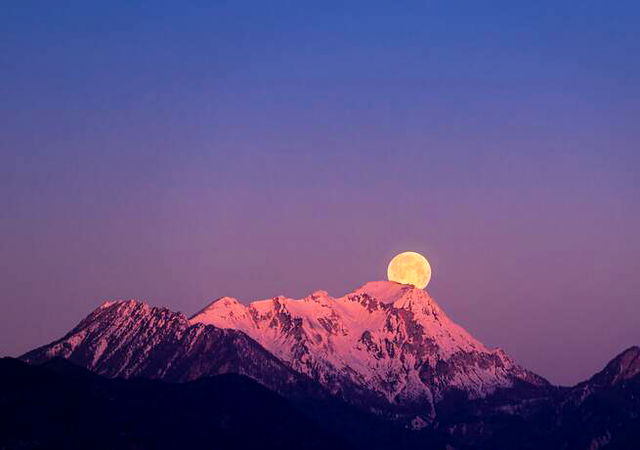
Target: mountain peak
[
  {"x": 386, "y": 291},
  {"x": 223, "y": 308},
  {"x": 385, "y": 346},
  {"x": 220, "y": 302},
  {"x": 385, "y": 338},
  {"x": 133, "y": 339},
  {"x": 626, "y": 365},
  {"x": 118, "y": 302},
  {"x": 621, "y": 368},
  {"x": 319, "y": 294}
]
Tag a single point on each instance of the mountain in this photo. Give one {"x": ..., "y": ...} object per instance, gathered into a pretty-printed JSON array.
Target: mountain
[
  {"x": 132, "y": 339},
  {"x": 601, "y": 412},
  {"x": 386, "y": 346},
  {"x": 381, "y": 367},
  {"x": 57, "y": 405},
  {"x": 604, "y": 411},
  {"x": 622, "y": 368}
]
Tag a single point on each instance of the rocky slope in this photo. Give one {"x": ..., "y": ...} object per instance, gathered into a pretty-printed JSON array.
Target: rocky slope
[
  {"x": 384, "y": 345},
  {"x": 601, "y": 412},
  {"x": 60, "y": 406},
  {"x": 132, "y": 339},
  {"x": 622, "y": 368},
  {"x": 385, "y": 348},
  {"x": 604, "y": 411}
]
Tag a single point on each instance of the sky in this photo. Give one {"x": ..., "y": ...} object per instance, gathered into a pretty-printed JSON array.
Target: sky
[{"x": 176, "y": 152}]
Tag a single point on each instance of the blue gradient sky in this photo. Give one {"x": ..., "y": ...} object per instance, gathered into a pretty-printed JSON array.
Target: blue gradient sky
[{"x": 180, "y": 151}]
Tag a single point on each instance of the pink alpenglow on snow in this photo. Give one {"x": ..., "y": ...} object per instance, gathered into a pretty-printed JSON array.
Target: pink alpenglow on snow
[{"x": 386, "y": 337}]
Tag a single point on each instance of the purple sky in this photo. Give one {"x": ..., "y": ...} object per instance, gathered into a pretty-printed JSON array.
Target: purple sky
[{"x": 179, "y": 152}]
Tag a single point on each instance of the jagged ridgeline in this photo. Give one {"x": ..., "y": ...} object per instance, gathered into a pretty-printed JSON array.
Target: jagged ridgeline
[
  {"x": 381, "y": 360},
  {"x": 386, "y": 347}
]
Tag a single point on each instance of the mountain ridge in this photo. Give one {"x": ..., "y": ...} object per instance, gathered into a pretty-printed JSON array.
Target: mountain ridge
[
  {"x": 59, "y": 405},
  {"x": 385, "y": 347},
  {"x": 128, "y": 338},
  {"x": 392, "y": 338},
  {"x": 382, "y": 353}
]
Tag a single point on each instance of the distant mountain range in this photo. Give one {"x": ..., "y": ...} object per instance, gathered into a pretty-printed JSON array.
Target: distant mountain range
[{"x": 381, "y": 366}]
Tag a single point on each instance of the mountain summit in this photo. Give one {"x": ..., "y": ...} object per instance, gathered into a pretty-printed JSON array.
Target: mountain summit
[
  {"x": 623, "y": 367},
  {"x": 127, "y": 339},
  {"x": 385, "y": 347},
  {"x": 384, "y": 340}
]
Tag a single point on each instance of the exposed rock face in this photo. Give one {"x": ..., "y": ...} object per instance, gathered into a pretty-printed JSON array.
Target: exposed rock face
[
  {"x": 385, "y": 340},
  {"x": 604, "y": 411},
  {"x": 623, "y": 367},
  {"x": 601, "y": 412},
  {"x": 132, "y": 339},
  {"x": 386, "y": 347},
  {"x": 618, "y": 375}
]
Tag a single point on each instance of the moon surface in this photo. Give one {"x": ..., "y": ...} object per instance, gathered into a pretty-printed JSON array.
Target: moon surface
[{"x": 409, "y": 268}]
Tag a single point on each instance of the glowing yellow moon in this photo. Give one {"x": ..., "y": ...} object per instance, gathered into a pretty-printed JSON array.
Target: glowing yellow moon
[{"x": 410, "y": 268}]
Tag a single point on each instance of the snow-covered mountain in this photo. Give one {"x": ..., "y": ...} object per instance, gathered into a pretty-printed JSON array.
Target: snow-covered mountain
[
  {"x": 384, "y": 339},
  {"x": 132, "y": 339},
  {"x": 386, "y": 347}
]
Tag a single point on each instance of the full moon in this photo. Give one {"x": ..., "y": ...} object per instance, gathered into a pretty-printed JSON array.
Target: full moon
[{"x": 410, "y": 268}]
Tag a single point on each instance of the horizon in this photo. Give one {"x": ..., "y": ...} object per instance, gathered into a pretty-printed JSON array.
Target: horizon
[
  {"x": 179, "y": 152},
  {"x": 190, "y": 315}
]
